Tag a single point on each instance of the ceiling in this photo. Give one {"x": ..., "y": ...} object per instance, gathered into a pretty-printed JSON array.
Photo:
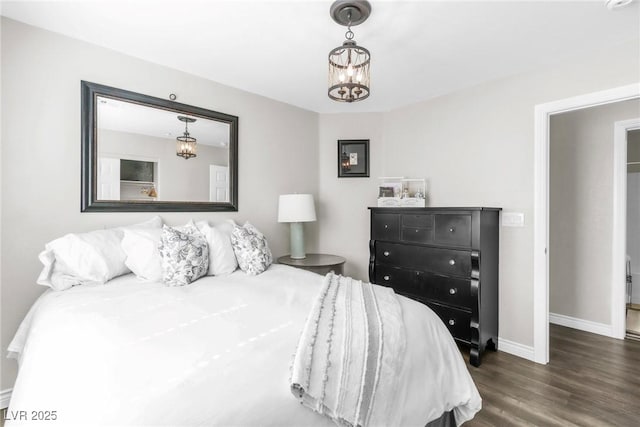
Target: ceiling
[
  {"x": 129, "y": 117},
  {"x": 278, "y": 49}
]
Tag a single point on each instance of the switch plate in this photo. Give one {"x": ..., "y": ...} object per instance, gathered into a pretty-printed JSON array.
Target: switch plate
[{"x": 512, "y": 219}]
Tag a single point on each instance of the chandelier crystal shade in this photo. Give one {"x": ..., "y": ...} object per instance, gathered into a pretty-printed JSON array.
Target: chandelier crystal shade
[
  {"x": 349, "y": 64},
  {"x": 186, "y": 145}
]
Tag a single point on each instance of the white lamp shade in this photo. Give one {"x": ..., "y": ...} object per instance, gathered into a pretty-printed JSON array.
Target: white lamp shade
[{"x": 296, "y": 208}]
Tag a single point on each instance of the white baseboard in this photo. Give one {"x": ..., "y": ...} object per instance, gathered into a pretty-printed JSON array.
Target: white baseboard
[
  {"x": 582, "y": 325},
  {"x": 5, "y": 397},
  {"x": 517, "y": 349}
]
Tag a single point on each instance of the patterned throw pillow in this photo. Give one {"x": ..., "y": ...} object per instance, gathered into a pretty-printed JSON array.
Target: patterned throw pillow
[
  {"x": 185, "y": 255},
  {"x": 251, "y": 249}
]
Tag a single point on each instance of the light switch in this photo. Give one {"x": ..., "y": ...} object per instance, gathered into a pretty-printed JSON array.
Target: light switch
[{"x": 512, "y": 219}]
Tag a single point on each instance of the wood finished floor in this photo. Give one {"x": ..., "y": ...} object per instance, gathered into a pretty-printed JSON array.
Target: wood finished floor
[{"x": 590, "y": 380}]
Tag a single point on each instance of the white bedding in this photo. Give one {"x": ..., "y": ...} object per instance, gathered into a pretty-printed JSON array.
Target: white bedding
[{"x": 216, "y": 352}]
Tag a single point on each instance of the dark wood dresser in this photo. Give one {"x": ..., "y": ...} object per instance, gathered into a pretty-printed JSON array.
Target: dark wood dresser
[{"x": 446, "y": 258}]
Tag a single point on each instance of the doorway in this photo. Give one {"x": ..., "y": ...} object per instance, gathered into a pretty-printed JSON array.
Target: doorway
[
  {"x": 581, "y": 187},
  {"x": 632, "y": 299},
  {"x": 543, "y": 113}
]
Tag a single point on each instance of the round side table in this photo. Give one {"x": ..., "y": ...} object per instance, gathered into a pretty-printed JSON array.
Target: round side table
[{"x": 318, "y": 263}]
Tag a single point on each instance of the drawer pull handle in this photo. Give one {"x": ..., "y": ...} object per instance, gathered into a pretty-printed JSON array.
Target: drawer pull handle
[
  {"x": 386, "y": 226},
  {"x": 452, "y": 322},
  {"x": 452, "y": 262},
  {"x": 386, "y": 277},
  {"x": 453, "y": 291},
  {"x": 386, "y": 253},
  {"x": 451, "y": 230}
]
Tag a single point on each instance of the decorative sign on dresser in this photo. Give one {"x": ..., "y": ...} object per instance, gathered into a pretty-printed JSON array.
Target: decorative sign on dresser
[{"x": 446, "y": 258}]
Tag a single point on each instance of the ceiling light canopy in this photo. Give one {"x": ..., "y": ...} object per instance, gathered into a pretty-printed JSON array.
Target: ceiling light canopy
[{"x": 349, "y": 64}]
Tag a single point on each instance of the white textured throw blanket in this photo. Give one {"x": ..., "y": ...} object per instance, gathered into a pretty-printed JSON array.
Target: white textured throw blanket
[{"x": 350, "y": 354}]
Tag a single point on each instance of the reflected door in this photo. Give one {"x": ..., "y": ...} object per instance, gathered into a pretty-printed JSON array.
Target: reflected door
[
  {"x": 108, "y": 178},
  {"x": 218, "y": 183}
]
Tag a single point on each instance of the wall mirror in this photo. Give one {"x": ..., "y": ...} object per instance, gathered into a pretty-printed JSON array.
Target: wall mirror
[{"x": 141, "y": 153}]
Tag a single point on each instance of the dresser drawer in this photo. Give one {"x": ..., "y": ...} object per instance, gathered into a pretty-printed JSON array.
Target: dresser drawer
[
  {"x": 400, "y": 280},
  {"x": 385, "y": 227},
  {"x": 425, "y": 286},
  {"x": 420, "y": 221},
  {"x": 436, "y": 260},
  {"x": 457, "y": 321},
  {"x": 448, "y": 290},
  {"x": 453, "y": 229},
  {"x": 417, "y": 235}
]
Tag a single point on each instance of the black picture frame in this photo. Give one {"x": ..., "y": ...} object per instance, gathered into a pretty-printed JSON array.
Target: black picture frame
[
  {"x": 88, "y": 197},
  {"x": 353, "y": 158}
]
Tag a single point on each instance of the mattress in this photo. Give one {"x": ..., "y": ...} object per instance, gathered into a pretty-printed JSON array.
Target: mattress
[{"x": 216, "y": 352}]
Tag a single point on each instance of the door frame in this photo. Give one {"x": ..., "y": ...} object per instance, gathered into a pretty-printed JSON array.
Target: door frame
[{"x": 542, "y": 119}]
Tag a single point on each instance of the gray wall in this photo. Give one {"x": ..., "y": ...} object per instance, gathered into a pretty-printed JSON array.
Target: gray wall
[
  {"x": 581, "y": 210},
  {"x": 343, "y": 209},
  {"x": 475, "y": 147},
  {"x": 41, "y": 74},
  {"x": 178, "y": 179}
]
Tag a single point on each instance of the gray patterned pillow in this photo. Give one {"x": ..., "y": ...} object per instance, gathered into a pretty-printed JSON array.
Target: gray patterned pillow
[
  {"x": 251, "y": 249},
  {"x": 185, "y": 255}
]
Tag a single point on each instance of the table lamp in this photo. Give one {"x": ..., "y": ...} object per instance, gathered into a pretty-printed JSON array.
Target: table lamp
[{"x": 296, "y": 209}]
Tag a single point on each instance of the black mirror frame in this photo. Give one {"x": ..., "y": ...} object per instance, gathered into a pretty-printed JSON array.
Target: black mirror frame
[{"x": 89, "y": 202}]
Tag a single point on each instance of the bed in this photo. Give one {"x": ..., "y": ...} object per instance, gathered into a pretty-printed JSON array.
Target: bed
[{"x": 216, "y": 352}]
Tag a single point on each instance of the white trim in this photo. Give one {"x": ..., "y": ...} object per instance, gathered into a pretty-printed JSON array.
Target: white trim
[
  {"x": 517, "y": 349},
  {"x": 5, "y": 397},
  {"x": 542, "y": 116},
  {"x": 619, "y": 243},
  {"x": 581, "y": 324},
  {"x": 541, "y": 236}
]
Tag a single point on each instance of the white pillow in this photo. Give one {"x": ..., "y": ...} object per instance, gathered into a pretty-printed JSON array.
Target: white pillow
[
  {"x": 141, "y": 247},
  {"x": 142, "y": 254},
  {"x": 94, "y": 257},
  {"x": 222, "y": 259}
]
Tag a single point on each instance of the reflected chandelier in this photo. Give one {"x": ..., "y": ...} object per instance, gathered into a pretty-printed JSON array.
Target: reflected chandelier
[
  {"x": 186, "y": 145},
  {"x": 349, "y": 73}
]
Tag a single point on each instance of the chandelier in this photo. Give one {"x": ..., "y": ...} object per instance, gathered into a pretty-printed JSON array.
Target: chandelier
[
  {"x": 349, "y": 73},
  {"x": 186, "y": 145}
]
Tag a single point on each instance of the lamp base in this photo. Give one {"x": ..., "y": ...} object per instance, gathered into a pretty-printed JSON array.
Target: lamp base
[{"x": 297, "y": 241}]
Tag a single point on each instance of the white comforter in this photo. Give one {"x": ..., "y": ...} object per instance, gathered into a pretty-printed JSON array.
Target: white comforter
[{"x": 217, "y": 352}]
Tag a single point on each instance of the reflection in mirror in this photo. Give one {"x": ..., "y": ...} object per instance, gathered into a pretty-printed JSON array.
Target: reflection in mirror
[
  {"x": 141, "y": 153},
  {"x": 141, "y": 158}
]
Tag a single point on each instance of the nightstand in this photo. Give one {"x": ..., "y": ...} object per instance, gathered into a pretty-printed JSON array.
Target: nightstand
[{"x": 318, "y": 263}]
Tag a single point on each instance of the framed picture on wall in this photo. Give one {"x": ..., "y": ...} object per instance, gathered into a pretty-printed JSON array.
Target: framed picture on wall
[{"x": 353, "y": 158}]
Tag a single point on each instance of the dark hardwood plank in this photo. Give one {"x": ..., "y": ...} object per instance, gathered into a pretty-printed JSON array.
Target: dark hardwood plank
[{"x": 590, "y": 380}]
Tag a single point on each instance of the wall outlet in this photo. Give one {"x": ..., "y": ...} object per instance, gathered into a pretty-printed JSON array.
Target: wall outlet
[{"x": 512, "y": 219}]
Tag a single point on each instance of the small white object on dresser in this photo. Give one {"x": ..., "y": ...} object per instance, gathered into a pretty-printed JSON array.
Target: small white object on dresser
[{"x": 398, "y": 191}]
